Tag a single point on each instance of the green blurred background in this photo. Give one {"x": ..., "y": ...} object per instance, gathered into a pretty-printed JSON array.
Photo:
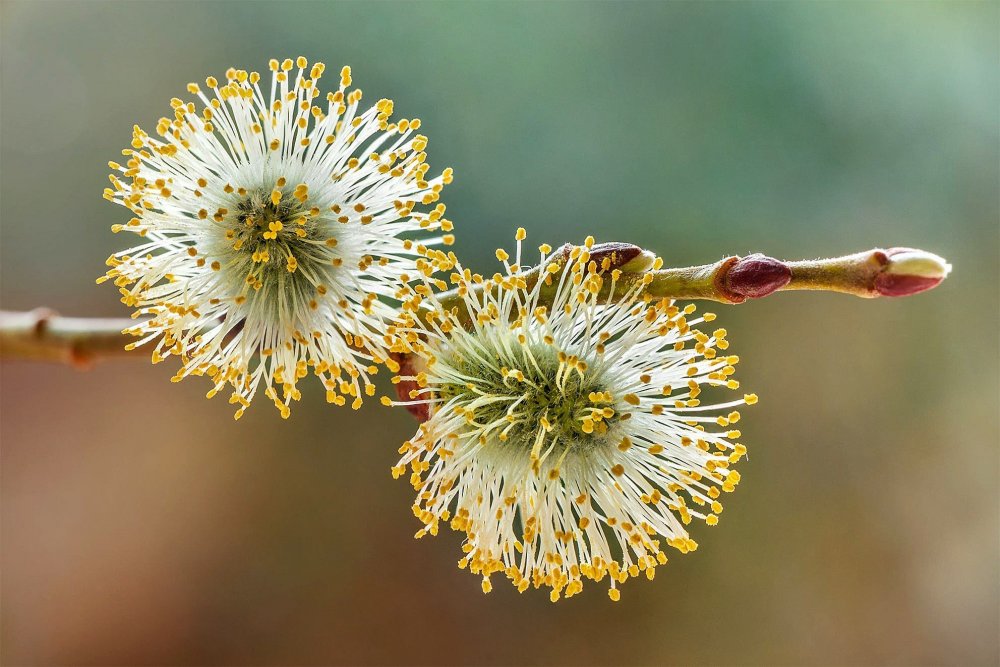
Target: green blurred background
[{"x": 141, "y": 525}]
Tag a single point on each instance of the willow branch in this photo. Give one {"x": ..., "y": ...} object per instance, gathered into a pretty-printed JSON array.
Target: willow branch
[
  {"x": 42, "y": 335},
  {"x": 874, "y": 273}
]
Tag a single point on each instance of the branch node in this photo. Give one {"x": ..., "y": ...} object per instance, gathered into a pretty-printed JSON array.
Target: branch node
[{"x": 42, "y": 316}]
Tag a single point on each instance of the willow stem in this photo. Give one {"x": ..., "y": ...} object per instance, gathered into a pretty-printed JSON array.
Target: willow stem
[
  {"x": 733, "y": 280},
  {"x": 42, "y": 335}
]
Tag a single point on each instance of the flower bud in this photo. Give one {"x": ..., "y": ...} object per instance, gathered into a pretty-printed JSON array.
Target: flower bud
[
  {"x": 623, "y": 256},
  {"x": 756, "y": 276},
  {"x": 909, "y": 271}
]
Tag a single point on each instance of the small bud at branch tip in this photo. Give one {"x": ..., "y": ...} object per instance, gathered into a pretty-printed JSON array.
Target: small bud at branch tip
[{"x": 908, "y": 271}]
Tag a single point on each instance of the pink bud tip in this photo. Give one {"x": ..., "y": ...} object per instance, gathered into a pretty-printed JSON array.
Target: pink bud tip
[
  {"x": 888, "y": 284},
  {"x": 909, "y": 271},
  {"x": 756, "y": 276}
]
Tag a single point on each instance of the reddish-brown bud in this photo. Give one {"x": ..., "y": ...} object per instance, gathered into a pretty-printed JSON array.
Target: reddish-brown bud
[
  {"x": 755, "y": 276},
  {"x": 623, "y": 256},
  {"x": 408, "y": 367}
]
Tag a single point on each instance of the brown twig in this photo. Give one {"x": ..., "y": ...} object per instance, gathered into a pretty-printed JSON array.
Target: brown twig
[{"x": 43, "y": 335}]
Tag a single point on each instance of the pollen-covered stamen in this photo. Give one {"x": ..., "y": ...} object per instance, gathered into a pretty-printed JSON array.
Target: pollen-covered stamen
[
  {"x": 568, "y": 441},
  {"x": 535, "y": 387},
  {"x": 270, "y": 232},
  {"x": 280, "y": 227}
]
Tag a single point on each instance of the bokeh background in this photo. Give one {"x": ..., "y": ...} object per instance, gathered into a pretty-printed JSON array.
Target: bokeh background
[{"x": 141, "y": 525}]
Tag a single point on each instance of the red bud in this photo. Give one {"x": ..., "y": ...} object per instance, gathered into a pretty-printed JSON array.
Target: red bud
[{"x": 756, "y": 276}]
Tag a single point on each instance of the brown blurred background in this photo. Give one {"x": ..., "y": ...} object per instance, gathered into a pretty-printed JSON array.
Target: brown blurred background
[{"x": 141, "y": 525}]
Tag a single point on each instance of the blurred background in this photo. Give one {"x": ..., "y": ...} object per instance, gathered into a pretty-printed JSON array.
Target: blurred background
[{"x": 141, "y": 525}]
